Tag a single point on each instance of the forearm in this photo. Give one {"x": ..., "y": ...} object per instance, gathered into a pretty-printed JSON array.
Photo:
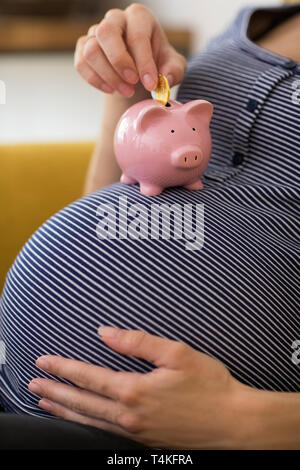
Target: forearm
[
  {"x": 267, "y": 420},
  {"x": 103, "y": 168}
]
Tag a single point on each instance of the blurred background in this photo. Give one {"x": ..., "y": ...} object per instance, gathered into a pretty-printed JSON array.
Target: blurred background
[{"x": 51, "y": 117}]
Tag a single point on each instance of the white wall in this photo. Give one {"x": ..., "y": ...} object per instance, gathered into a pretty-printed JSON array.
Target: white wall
[
  {"x": 47, "y": 100},
  {"x": 205, "y": 17}
]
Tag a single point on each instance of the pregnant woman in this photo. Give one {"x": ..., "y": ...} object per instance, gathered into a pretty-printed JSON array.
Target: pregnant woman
[{"x": 213, "y": 360}]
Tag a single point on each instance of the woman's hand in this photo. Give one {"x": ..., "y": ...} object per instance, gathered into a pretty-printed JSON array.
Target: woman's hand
[
  {"x": 124, "y": 47},
  {"x": 186, "y": 403},
  {"x": 189, "y": 402}
]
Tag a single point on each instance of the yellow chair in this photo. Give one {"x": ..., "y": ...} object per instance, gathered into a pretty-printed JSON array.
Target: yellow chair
[{"x": 36, "y": 180}]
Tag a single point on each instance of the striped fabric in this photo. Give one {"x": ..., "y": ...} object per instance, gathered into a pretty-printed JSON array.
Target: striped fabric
[{"x": 236, "y": 298}]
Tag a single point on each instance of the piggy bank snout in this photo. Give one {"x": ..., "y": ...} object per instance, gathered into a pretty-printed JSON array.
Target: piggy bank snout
[{"x": 187, "y": 157}]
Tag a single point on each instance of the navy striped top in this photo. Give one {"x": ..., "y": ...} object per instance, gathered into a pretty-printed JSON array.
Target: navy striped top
[{"x": 235, "y": 298}]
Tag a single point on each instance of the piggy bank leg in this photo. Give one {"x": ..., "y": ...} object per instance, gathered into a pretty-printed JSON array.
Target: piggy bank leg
[
  {"x": 194, "y": 186},
  {"x": 150, "y": 189},
  {"x": 127, "y": 180}
]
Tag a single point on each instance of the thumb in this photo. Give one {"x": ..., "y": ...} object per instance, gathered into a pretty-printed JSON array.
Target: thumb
[
  {"x": 172, "y": 65},
  {"x": 162, "y": 352}
]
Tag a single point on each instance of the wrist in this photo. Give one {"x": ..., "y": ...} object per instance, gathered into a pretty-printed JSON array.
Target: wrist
[
  {"x": 264, "y": 419},
  {"x": 246, "y": 414}
]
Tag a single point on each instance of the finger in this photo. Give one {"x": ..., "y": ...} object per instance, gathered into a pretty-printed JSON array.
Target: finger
[
  {"x": 162, "y": 352},
  {"x": 92, "y": 30},
  {"x": 97, "y": 60},
  {"x": 109, "y": 34},
  {"x": 87, "y": 73},
  {"x": 87, "y": 376},
  {"x": 138, "y": 40},
  {"x": 78, "y": 400},
  {"x": 65, "y": 413},
  {"x": 172, "y": 65}
]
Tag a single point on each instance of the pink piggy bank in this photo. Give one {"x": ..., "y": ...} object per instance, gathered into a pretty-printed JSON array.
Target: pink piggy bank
[{"x": 160, "y": 146}]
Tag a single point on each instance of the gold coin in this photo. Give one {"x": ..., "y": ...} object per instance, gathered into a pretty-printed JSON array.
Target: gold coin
[{"x": 162, "y": 91}]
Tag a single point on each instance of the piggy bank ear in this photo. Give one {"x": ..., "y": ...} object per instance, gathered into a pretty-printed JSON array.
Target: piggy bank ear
[
  {"x": 149, "y": 116},
  {"x": 199, "y": 109}
]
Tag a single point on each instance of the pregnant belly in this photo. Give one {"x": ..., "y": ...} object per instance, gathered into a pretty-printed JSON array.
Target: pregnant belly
[{"x": 228, "y": 290}]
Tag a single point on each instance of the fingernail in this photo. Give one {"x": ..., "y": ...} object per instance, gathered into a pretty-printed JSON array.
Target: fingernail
[
  {"x": 106, "y": 88},
  {"x": 46, "y": 404},
  {"x": 43, "y": 362},
  {"x": 125, "y": 89},
  {"x": 170, "y": 79},
  {"x": 108, "y": 331},
  {"x": 130, "y": 76},
  {"x": 149, "y": 82},
  {"x": 35, "y": 387}
]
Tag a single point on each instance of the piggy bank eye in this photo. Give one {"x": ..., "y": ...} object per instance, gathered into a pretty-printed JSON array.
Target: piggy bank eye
[
  {"x": 172, "y": 130},
  {"x": 194, "y": 129}
]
